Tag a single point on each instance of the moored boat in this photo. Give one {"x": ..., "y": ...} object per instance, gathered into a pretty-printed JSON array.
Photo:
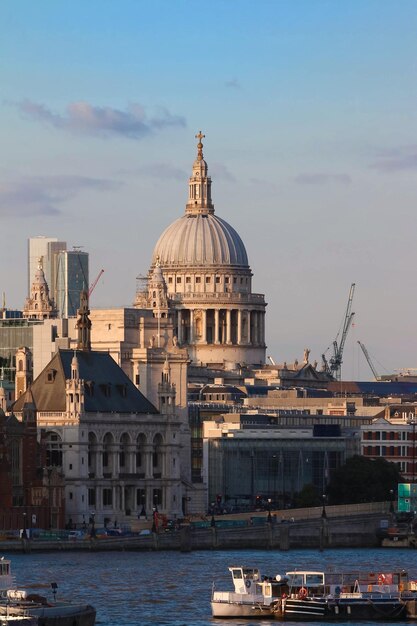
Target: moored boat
[
  {"x": 254, "y": 596},
  {"x": 18, "y": 603},
  {"x": 306, "y": 595},
  {"x": 320, "y": 596}
]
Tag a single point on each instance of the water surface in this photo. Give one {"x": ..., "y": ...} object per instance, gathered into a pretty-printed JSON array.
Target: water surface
[{"x": 173, "y": 588}]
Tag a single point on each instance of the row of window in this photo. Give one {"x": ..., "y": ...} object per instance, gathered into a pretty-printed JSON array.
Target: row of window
[
  {"x": 387, "y": 451},
  {"x": 243, "y": 280},
  {"x": 376, "y": 435},
  {"x": 107, "y": 497}
]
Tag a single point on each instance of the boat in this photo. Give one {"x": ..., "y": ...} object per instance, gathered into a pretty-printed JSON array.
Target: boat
[
  {"x": 306, "y": 595},
  {"x": 320, "y": 596},
  {"x": 18, "y": 603},
  {"x": 253, "y": 596},
  {"x": 16, "y": 618}
]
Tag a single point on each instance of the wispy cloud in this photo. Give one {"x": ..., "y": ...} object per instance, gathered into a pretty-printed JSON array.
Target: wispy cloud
[
  {"x": 233, "y": 84},
  {"x": 396, "y": 160},
  {"x": 265, "y": 184},
  {"x": 85, "y": 118},
  {"x": 33, "y": 196},
  {"x": 322, "y": 179},
  {"x": 156, "y": 170},
  {"x": 221, "y": 172}
]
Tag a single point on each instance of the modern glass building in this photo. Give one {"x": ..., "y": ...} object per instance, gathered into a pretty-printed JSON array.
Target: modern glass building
[
  {"x": 258, "y": 460},
  {"x": 72, "y": 278},
  {"x": 14, "y": 333}
]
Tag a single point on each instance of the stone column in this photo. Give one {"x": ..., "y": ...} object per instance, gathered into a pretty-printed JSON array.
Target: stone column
[
  {"x": 148, "y": 452},
  {"x": 99, "y": 461},
  {"x": 249, "y": 320},
  {"x": 122, "y": 500},
  {"x": 216, "y": 325},
  {"x": 262, "y": 331},
  {"x": 131, "y": 459},
  {"x": 228, "y": 326},
  {"x": 204, "y": 326},
  {"x": 239, "y": 327},
  {"x": 255, "y": 328},
  {"x": 179, "y": 327},
  {"x": 114, "y": 453},
  {"x": 191, "y": 333}
]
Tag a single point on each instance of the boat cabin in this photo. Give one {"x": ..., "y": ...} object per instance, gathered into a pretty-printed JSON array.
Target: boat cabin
[
  {"x": 312, "y": 582},
  {"x": 245, "y": 579},
  {"x": 6, "y": 578}
]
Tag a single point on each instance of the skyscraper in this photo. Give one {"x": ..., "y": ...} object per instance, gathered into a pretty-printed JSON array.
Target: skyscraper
[{"x": 71, "y": 279}]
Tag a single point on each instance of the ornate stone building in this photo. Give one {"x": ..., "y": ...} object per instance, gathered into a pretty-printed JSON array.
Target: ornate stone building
[
  {"x": 200, "y": 277},
  {"x": 118, "y": 453},
  {"x": 38, "y": 305}
]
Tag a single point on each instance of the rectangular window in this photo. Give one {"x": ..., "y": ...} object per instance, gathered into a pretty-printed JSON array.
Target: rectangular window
[
  {"x": 92, "y": 497},
  {"x": 107, "y": 497},
  {"x": 207, "y": 279},
  {"x": 226, "y": 280},
  {"x": 198, "y": 279},
  {"x": 188, "y": 279},
  {"x": 170, "y": 280},
  {"x": 178, "y": 279},
  {"x": 217, "y": 279}
]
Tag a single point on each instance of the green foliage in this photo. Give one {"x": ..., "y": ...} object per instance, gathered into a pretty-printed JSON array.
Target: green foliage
[
  {"x": 363, "y": 480},
  {"x": 308, "y": 496}
]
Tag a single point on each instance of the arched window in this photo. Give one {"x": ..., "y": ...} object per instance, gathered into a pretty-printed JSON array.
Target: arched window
[{"x": 123, "y": 454}]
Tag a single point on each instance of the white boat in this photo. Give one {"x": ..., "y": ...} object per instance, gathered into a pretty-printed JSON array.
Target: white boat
[
  {"x": 306, "y": 595},
  {"x": 253, "y": 596},
  {"x": 16, "y": 603}
]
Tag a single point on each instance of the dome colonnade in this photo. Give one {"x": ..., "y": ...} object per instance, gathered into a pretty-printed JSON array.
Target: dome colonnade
[{"x": 208, "y": 281}]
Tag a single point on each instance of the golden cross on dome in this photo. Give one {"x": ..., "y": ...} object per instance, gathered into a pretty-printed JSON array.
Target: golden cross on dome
[{"x": 200, "y": 136}]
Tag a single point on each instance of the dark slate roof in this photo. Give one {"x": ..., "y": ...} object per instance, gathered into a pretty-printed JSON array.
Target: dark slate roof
[
  {"x": 377, "y": 388},
  {"x": 107, "y": 388}
]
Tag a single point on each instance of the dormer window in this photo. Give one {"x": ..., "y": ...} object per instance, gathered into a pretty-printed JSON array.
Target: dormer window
[{"x": 50, "y": 377}]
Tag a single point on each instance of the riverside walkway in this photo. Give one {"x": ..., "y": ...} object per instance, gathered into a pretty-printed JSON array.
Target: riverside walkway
[{"x": 332, "y": 527}]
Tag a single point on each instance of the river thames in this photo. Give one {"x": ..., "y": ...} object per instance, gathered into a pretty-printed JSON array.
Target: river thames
[{"x": 173, "y": 588}]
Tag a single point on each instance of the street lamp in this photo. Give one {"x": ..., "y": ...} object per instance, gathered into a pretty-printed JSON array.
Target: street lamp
[
  {"x": 269, "y": 511},
  {"x": 391, "y": 506},
  {"x": 143, "y": 511},
  {"x": 323, "y": 512},
  {"x": 24, "y": 533},
  {"x": 412, "y": 422},
  {"x": 93, "y": 525}
]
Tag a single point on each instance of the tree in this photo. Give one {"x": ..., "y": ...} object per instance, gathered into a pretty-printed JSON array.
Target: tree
[
  {"x": 363, "y": 480},
  {"x": 308, "y": 496}
]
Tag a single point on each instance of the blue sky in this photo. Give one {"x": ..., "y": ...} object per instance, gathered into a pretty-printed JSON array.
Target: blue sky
[{"x": 309, "y": 110}]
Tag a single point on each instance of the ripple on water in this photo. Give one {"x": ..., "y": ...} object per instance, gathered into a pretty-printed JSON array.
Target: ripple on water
[{"x": 173, "y": 589}]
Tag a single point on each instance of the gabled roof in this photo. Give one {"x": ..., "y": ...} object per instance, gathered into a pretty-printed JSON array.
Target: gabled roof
[{"x": 107, "y": 388}]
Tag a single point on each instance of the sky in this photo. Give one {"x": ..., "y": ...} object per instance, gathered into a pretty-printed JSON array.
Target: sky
[{"x": 309, "y": 111}]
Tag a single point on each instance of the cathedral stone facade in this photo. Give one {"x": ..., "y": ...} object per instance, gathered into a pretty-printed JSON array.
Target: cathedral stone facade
[{"x": 200, "y": 277}]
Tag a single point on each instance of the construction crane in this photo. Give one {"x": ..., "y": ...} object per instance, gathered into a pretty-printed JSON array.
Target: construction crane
[
  {"x": 368, "y": 358},
  {"x": 93, "y": 285},
  {"x": 334, "y": 365}
]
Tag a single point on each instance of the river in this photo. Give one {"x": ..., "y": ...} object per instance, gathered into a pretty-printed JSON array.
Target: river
[{"x": 173, "y": 588}]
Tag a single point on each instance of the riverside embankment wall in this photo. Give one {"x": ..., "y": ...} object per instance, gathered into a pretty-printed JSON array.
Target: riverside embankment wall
[{"x": 337, "y": 532}]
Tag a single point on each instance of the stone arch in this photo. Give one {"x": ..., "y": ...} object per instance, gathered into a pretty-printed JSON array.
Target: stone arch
[
  {"x": 124, "y": 452},
  {"x": 157, "y": 455},
  {"x": 108, "y": 444}
]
